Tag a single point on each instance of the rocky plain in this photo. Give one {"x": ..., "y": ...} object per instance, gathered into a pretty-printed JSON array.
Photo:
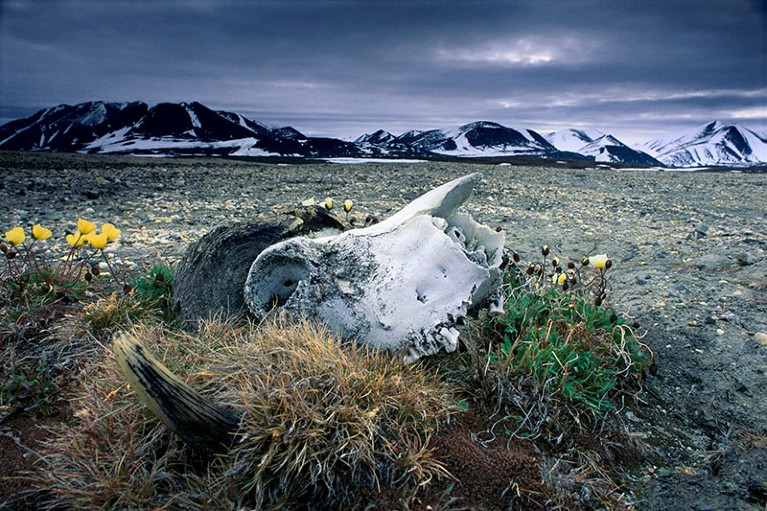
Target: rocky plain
[{"x": 689, "y": 266}]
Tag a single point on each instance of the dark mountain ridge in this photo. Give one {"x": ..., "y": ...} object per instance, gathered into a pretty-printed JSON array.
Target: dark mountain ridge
[{"x": 194, "y": 129}]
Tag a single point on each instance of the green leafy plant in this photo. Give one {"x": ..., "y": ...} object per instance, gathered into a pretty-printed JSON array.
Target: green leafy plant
[
  {"x": 559, "y": 345},
  {"x": 29, "y": 384},
  {"x": 155, "y": 289}
]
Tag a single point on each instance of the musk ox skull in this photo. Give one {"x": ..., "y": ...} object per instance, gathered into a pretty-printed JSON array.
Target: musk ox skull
[{"x": 401, "y": 284}]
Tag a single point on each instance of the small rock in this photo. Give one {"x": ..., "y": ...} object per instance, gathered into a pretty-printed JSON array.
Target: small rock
[
  {"x": 747, "y": 258},
  {"x": 719, "y": 331},
  {"x": 733, "y": 319},
  {"x": 712, "y": 262},
  {"x": 698, "y": 233},
  {"x": 761, "y": 338}
]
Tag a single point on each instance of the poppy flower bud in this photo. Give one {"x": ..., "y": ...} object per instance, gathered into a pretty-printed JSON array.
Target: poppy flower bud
[
  {"x": 585, "y": 261},
  {"x": 348, "y": 205},
  {"x": 3, "y": 248},
  {"x": 89, "y": 276},
  {"x": 608, "y": 264},
  {"x": 498, "y": 229},
  {"x": 571, "y": 265},
  {"x": 599, "y": 261},
  {"x": 96, "y": 270},
  {"x": 530, "y": 269},
  {"x": 545, "y": 250},
  {"x": 515, "y": 257},
  {"x": 555, "y": 262},
  {"x": 11, "y": 254}
]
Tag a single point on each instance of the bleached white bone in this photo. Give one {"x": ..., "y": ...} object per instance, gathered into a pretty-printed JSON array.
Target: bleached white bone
[{"x": 399, "y": 284}]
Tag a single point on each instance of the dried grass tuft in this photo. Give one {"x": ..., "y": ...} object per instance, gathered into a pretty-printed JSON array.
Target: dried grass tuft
[{"x": 321, "y": 422}]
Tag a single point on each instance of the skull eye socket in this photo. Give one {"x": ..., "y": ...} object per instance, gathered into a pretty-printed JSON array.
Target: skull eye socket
[{"x": 274, "y": 281}]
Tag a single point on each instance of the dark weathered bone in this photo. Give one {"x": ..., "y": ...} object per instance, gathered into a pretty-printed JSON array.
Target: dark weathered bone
[{"x": 195, "y": 418}]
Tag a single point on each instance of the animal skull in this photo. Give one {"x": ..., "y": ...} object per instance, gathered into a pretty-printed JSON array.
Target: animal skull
[{"x": 399, "y": 284}]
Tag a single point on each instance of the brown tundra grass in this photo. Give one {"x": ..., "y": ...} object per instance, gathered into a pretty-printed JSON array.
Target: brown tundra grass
[{"x": 321, "y": 423}]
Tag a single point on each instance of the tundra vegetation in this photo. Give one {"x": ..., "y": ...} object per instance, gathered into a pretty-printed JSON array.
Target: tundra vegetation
[{"x": 525, "y": 415}]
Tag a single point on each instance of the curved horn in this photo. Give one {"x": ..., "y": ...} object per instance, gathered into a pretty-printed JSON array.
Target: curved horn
[
  {"x": 441, "y": 202},
  {"x": 195, "y": 418}
]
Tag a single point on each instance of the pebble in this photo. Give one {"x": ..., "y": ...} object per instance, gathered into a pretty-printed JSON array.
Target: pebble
[
  {"x": 698, "y": 233},
  {"x": 761, "y": 338}
]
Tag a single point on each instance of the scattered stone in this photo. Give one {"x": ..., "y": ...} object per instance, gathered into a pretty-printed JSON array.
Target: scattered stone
[
  {"x": 761, "y": 338},
  {"x": 698, "y": 233},
  {"x": 714, "y": 261},
  {"x": 747, "y": 258}
]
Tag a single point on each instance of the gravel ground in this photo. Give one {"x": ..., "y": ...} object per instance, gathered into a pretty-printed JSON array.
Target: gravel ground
[{"x": 689, "y": 253}]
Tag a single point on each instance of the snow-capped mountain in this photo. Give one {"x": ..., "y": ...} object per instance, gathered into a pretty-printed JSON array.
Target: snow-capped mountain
[
  {"x": 69, "y": 128},
  {"x": 715, "y": 143},
  {"x": 600, "y": 147},
  {"x": 166, "y": 128},
  {"x": 194, "y": 129},
  {"x": 380, "y": 137},
  {"x": 477, "y": 139},
  {"x": 572, "y": 139}
]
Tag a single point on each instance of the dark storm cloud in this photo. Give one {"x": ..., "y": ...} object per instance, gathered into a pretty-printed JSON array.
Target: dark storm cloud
[{"x": 341, "y": 68}]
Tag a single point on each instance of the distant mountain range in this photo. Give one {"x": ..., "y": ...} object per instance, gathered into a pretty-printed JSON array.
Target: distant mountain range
[{"x": 194, "y": 129}]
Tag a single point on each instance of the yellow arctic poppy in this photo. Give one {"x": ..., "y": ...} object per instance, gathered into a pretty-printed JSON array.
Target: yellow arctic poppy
[
  {"x": 15, "y": 236},
  {"x": 40, "y": 233},
  {"x": 328, "y": 203},
  {"x": 111, "y": 232},
  {"x": 76, "y": 240},
  {"x": 559, "y": 278},
  {"x": 347, "y": 205},
  {"x": 598, "y": 261},
  {"x": 98, "y": 241},
  {"x": 85, "y": 227}
]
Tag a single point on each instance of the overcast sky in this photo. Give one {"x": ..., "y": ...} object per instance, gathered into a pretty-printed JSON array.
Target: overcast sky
[{"x": 636, "y": 69}]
